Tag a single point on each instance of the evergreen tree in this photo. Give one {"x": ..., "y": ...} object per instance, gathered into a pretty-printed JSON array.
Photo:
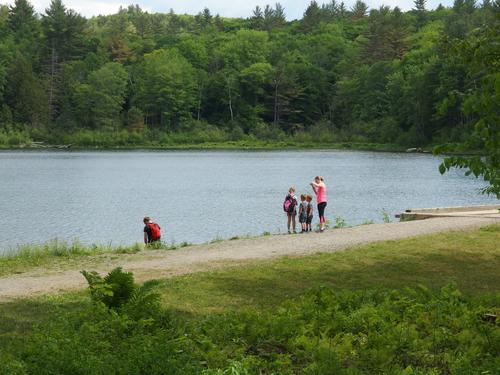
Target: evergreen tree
[
  {"x": 25, "y": 95},
  {"x": 312, "y": 17},
  {"x": 257, "y": 19},
  {"x": 359, "y": 9},
  {"x": 330, "y": 10},
  {"x": 420, "y": 13},
  {"x": 342, "y": 10},
  {"x": 22, "y": 20},
  {"x": 279, "y": 14}
]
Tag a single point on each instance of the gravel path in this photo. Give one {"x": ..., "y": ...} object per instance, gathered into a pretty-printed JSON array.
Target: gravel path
[{"x": 156, "y": 264}]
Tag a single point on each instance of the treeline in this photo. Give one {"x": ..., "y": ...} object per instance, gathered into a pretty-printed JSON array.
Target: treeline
[{"x": 338, "y": 74}]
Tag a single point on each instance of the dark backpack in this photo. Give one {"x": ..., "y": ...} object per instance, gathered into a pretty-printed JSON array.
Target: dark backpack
[
  {"x": 289, "y": 204},
  {"x": 155, "y": 231}
]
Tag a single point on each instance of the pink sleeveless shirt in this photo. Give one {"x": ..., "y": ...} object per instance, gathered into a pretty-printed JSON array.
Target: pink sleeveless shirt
[{"x": 321, "y": 193}]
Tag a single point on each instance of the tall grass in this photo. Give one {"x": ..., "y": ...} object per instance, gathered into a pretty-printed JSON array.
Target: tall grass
[
  {"x": 26, "y": 256},
  {"x": 58, "y": 248}
]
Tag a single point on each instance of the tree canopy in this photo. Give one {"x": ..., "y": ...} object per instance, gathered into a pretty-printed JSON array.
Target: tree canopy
[{"x": 362, "y": 75}]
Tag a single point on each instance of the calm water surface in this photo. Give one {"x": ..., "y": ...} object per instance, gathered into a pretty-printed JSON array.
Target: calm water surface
[{"x": 101, "y": 197}]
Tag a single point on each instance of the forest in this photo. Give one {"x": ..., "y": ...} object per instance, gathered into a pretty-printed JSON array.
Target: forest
[{"x": 337, "y": 75}]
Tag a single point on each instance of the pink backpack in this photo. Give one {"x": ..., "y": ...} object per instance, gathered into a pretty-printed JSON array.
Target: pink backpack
[{"x": 288, "y": 204}]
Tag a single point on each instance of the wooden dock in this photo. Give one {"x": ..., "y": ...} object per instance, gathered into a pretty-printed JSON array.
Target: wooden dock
[{"x": 484, "y": 211}]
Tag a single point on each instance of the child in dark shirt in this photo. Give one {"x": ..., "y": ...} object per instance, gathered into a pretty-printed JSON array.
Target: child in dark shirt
[
  {"x": 303, "y": 213},
  {"x": 309, "y": 213}
]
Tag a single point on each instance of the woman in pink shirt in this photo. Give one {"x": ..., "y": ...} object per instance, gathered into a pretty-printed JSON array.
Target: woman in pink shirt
[{"x": 319, "y": 188}]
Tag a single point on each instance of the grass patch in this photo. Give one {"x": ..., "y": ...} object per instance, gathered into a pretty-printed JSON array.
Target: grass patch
[{"x": 471, "y": 259}]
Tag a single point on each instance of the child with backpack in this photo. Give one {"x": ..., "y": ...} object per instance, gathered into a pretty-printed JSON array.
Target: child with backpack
[
  {"x": 290, "y": 207},
  {"x": 303, "y": 213},
  {"x": 152, "y": 231},
  {"x": 309, "y": 213}
]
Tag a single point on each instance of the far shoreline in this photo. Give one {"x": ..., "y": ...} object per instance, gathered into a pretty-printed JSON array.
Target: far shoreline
[
  {"x": 230, "y": 146},
  {"x": 242, "y": 146}
]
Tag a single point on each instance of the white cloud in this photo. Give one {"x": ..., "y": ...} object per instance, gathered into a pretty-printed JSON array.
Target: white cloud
[{"x": 234, "y": 8}]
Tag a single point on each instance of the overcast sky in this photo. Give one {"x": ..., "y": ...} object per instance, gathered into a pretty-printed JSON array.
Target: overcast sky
[{"x": 228, "y": 8}]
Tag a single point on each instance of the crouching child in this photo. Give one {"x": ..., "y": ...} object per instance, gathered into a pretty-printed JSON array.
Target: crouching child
[{"x": 152, "y": 232}]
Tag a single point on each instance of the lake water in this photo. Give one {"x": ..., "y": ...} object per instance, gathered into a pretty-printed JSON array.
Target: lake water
[{"x": 101, "y": 197}]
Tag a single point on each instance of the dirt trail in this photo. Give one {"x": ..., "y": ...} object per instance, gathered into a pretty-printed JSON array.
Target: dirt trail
[{"x": 156, "y": 264}]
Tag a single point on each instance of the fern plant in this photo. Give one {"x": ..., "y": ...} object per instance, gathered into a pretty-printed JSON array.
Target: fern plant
[{"x": 118, "y": 291}]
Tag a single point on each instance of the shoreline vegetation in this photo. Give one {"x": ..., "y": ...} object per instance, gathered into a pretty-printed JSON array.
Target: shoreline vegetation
[
  {"x": 419, "y": 305},
  {"x": 125, "y": 140},
  {"x": 129, "y": 141}
]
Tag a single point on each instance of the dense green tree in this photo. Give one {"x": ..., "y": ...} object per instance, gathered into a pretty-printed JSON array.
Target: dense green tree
[
  {"x": 100, "y": 101},
  {"x": 480, "y": 51},
  {"x": 461, "y": 19},
  {"x": 331, "y": 9},
  {"x": 165, "y": 89},
  {"x": 5, "y": 61},
  {"x": 274, "y": 17},
  {"x": 24, "y": 94},
  {"x": 23, "y": 22},
  {"x": 312, "y": 16},
  {"x": 63, "y": 30},
  {"x": 359, "y": 9},
  {"x": 257, "y": 19},
  {"x": 420, "y": 12},
  {"x": 255, "y": 82}
]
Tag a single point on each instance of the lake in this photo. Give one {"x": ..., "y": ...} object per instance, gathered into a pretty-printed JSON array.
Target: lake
[{"x": 101, "y": 197}]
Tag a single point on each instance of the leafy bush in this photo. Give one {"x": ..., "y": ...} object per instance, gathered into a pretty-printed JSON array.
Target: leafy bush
[
  {"x": 114, "y": 290},
  {"x": 118, "y": 291}
]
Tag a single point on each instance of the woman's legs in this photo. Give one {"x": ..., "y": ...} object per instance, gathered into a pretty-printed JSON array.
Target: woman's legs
[
  {"x": 293, "y": 224},
  {"x": 289, "y": 220},
  {"x": 321, "y": 212}
]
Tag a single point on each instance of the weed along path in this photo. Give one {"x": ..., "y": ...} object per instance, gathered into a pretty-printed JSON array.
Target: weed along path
[{"x": 65, "y": 276}]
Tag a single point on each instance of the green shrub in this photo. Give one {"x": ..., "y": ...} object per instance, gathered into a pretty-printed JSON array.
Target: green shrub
[
  {"x": 118, "y": 291},
  {"x": 114, "y": 290},
  {"x": 14, "y": 138}
]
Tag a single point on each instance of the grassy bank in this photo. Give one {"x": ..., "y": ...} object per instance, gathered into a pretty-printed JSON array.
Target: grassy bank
[
  {"x": 211, "y": 139},
  {"x": 383, "y": 308},
  {"x": 25, "y": 257}
]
